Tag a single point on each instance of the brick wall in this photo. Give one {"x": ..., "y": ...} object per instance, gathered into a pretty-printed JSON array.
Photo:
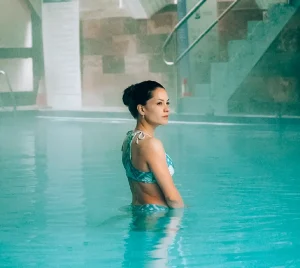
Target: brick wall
[{"x": 117, "y": 52}]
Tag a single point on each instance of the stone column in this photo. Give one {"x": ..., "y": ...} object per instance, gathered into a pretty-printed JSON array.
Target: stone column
[{"x": 61, "y": 43}]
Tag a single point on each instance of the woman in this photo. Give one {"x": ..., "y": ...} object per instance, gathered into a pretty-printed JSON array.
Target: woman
[{"x": 148, "y": 168}]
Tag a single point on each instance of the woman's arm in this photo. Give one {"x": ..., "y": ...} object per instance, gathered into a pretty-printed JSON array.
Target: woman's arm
[{"x": 155, "y": 156}]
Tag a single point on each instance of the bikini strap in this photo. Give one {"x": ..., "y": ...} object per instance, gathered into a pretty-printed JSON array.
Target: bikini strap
[{"x": 140, "y": 135}]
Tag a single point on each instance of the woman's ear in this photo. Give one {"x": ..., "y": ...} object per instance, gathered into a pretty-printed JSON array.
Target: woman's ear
[{"x": 140, "y": 109}]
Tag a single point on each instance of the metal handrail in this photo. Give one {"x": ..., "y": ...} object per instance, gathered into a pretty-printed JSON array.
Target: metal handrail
[
  {"x": 10, "y": 89},
  {"x": 184, "y": 19},
  {"x": 178, "y": 25}
]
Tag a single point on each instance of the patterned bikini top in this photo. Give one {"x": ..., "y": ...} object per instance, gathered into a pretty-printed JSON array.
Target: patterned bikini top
[{"x": 131, "y": 172}]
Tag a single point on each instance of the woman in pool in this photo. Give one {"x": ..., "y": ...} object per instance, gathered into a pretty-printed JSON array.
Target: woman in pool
[{"x": 148, "y": 168}]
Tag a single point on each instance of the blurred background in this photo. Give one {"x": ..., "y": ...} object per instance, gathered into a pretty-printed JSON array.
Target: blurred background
[{"x": 214, "y": 57}]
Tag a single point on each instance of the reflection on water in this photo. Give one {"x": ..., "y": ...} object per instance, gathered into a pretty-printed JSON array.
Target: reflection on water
[{"x": 150, "y": 238}]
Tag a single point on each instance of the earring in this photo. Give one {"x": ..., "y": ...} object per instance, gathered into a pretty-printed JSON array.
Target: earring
[{"x": 143, "y": 116}]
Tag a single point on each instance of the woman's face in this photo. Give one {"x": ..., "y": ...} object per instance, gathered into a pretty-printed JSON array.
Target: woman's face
[{"x": 157, "y": 108}]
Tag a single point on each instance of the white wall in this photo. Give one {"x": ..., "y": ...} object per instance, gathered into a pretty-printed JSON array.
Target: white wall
[
  {"x": 15, "y": 32},
  {"x": 15, "y": 24},
  {"x": 19, "y": 72}
]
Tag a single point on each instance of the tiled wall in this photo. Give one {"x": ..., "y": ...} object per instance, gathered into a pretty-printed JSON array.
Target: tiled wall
[{"x": 117, "y": 52}]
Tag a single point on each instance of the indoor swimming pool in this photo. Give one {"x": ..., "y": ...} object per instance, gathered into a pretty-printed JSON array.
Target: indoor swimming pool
[{"x": 64, "y": 196}]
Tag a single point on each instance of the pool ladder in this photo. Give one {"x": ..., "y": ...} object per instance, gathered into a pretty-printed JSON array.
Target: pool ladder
[{"x": 12, "y": 95}]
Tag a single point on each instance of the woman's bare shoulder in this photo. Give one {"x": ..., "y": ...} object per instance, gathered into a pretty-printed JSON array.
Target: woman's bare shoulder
[{"x": 151, "y": 145}]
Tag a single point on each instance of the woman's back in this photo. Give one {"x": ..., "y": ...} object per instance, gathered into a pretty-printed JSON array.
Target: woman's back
[{"x": 143, "y": 185}]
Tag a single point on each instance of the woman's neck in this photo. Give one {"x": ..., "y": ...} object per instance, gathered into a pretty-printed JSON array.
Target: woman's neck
[{"x": 146, "y": 128}]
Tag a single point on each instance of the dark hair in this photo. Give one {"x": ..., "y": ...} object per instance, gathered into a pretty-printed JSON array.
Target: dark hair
[{"x": 139, "y": 94}]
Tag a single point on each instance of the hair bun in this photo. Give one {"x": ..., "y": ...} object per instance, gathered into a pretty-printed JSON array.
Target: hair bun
[{"x": 128, "y": 95}]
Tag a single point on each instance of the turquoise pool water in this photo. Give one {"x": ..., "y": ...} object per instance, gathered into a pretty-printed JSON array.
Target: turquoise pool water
[{"x": 63, "y": 196}]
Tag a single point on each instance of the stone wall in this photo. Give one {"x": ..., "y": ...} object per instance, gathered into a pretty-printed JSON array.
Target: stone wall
[{"x": 117, "y": 52}]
